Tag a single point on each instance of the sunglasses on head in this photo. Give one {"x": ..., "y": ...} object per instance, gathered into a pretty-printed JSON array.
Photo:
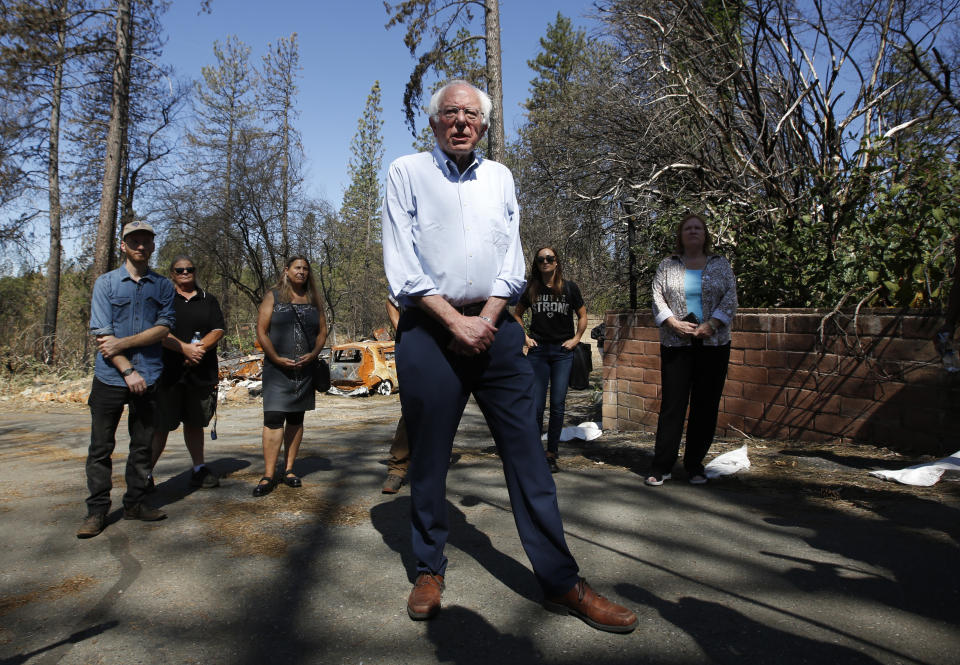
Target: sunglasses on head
[
  {"x": 546, "y": 259},
  {"x": 180, "y": 271}
]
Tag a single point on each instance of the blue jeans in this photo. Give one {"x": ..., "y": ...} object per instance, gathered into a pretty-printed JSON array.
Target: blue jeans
[{"x": 551, "y": 365}]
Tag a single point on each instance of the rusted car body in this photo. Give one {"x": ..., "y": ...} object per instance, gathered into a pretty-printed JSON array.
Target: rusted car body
[{"x": 367, "y": 364}]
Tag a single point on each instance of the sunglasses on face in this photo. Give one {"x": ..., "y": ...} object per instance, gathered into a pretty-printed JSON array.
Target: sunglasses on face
[
  {"x": 546, "y": 259},
  {"x": 180, "y": 271}
]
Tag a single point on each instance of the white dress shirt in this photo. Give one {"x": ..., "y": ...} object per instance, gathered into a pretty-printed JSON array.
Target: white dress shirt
[{"x": 451, "y": 234}]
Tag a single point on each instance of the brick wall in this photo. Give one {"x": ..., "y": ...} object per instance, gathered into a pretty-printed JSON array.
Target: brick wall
[{"x": 811, "y": 375}]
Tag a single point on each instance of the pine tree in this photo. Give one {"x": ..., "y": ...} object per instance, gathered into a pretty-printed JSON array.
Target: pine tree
[
  {"x": 562, "y": 52},
  {"x": 224, "y": 113},
  {"x": 277, "y": 97},
  {"x": 358, "y": 238}
]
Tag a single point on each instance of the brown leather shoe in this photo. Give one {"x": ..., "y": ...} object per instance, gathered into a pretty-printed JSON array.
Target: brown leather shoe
[
  {"x": 92, "y": 525},
  {"x": 424, "y": 600},
  {"x": 583, "y": 602},
  {"x": 392, "y": 484}
]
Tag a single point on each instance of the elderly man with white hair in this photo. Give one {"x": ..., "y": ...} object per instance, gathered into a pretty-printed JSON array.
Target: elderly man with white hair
[{"x": 452, "y": 255}]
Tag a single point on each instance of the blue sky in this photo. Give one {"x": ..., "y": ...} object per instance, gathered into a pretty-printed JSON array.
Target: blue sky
[{"x": 344, "y": 48}]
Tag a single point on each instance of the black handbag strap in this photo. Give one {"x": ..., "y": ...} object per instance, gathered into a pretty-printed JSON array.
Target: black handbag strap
[{"x": 299, "y": 319}]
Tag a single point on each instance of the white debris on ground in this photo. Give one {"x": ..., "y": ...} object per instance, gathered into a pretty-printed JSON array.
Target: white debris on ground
[
  {"x": 65, "y": 392},
  {"x": 921, "y": 475},
  {"x": 728, "y": 463},
  {"x": 356, "y": 392},
  {"x": 587, "y": 431}
]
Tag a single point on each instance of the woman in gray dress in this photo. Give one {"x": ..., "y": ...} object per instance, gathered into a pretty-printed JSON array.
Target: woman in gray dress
[{"x": 291, "y": 328}]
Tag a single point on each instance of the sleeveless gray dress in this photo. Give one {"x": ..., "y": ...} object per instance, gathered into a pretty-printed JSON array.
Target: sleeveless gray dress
[{"x": 290, "y": 390}]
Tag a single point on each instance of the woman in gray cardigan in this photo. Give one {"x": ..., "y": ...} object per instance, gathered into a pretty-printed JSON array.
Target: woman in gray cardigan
[{"x": 694, "y": 301}]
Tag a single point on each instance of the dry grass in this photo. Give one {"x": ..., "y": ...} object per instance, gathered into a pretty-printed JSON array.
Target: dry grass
[
  {"x": 69, "y": 586},
  {"x": 267, "y": 527},
  {"x": 36, "y": 454}
]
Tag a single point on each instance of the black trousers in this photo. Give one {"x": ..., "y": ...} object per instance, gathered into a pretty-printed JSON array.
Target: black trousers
[
  {"x": 106, "y": 407},
  {"x": 693, "y": 374},
  {"x": 435, "y": 386}
]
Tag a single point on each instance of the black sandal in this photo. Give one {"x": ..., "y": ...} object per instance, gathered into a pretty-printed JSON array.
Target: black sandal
[
  {"x": 264, "y": 488},
  {"x": 290, "y": 479}
]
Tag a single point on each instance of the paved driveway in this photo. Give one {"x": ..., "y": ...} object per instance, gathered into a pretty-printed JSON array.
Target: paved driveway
[{"x": 725, "y": 573}]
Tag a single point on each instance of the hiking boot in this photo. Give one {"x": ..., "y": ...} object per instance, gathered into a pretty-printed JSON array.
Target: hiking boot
[
  {"x": 92, "y": 525},
  {"x": 204, "y": 478}
]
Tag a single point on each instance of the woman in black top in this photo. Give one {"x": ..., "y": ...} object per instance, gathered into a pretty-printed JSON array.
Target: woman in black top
[
  {"x": 188, "y": 386},
  {"x": 291, "y": 328},
  {"x": 552, "y": 301}
]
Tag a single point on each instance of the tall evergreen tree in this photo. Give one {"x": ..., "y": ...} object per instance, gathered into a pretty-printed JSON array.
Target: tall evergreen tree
[
  {"x": 224, "y": 113},
  {"x": 277, "y": 102},
  {"x": 562, "y": 53},
  {"x": 357, "y": 240}
]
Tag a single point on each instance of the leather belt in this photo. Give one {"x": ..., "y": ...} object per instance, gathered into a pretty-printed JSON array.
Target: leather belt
[{"x": 472, "y": 309}]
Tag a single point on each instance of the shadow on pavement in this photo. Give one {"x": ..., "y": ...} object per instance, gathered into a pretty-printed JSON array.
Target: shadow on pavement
[
  {"x": 74, "y": 638},
  {"x": 392, "y": 518},
  {"x": 463, "y": 637},
  {"x": 727, "y": 636},
  {"x": 176, "y": 488}
]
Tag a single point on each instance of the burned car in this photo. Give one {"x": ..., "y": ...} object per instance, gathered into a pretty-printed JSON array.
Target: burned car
[{"x": 364, "y": 364}]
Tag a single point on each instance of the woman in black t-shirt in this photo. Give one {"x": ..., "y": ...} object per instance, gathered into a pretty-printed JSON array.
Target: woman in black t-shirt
[
  {"x": 551, "y": 338},
  {"x": 188, "y": 387}
]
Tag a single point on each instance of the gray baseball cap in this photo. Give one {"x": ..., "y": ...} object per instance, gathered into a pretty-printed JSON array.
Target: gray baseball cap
[{"x": 137, "y": 226}]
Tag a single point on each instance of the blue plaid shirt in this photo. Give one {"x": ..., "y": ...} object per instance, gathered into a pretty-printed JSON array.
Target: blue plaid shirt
[{"x": 123, "y": 307}]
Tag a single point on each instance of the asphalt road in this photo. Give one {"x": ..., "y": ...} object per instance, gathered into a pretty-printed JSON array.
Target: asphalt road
[{"x": 716, "y": 574}]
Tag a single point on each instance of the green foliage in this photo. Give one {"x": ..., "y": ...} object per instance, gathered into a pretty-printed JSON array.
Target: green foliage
[
  {"x": 21, "y": 323},
  {"x": 911, "y": 225},
  {"x": 561, "y": 55},
  {"x": 352, "y": 246}
]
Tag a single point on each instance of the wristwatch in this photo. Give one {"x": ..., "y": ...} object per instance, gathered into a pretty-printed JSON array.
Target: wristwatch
[{"x": 127, "y": 372}]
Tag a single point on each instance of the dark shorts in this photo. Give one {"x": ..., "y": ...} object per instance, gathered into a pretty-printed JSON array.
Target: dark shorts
[{"x": 190, "y": 405}]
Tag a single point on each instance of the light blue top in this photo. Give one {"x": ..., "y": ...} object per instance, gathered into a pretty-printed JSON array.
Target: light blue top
[
  {"x": 123, "y": 307},
  {"x": 449, "y": 233},
  {"x": 693, "y": 290}
]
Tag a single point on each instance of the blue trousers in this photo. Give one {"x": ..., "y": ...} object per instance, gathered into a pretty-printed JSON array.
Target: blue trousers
[
  {"x": 436, "y": 384},
  {"x": 551, "y": 365}
]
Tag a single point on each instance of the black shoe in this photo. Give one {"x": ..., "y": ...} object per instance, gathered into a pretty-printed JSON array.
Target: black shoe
[
  {"x": 264, "y": 488},
  {"x": 143, "y": 512},
  {"x": 552, "y": 463},
  {"x": 290, "y": 479},
  {"x": 204, "y": 478},
  {"x": 92, "y": 525}
]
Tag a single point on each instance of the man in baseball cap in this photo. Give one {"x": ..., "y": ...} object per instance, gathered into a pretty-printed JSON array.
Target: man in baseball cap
[{"x": 131, "y": 312}]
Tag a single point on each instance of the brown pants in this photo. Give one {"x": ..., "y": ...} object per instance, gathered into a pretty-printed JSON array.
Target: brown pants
[{"x": 399, "y": 452}]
